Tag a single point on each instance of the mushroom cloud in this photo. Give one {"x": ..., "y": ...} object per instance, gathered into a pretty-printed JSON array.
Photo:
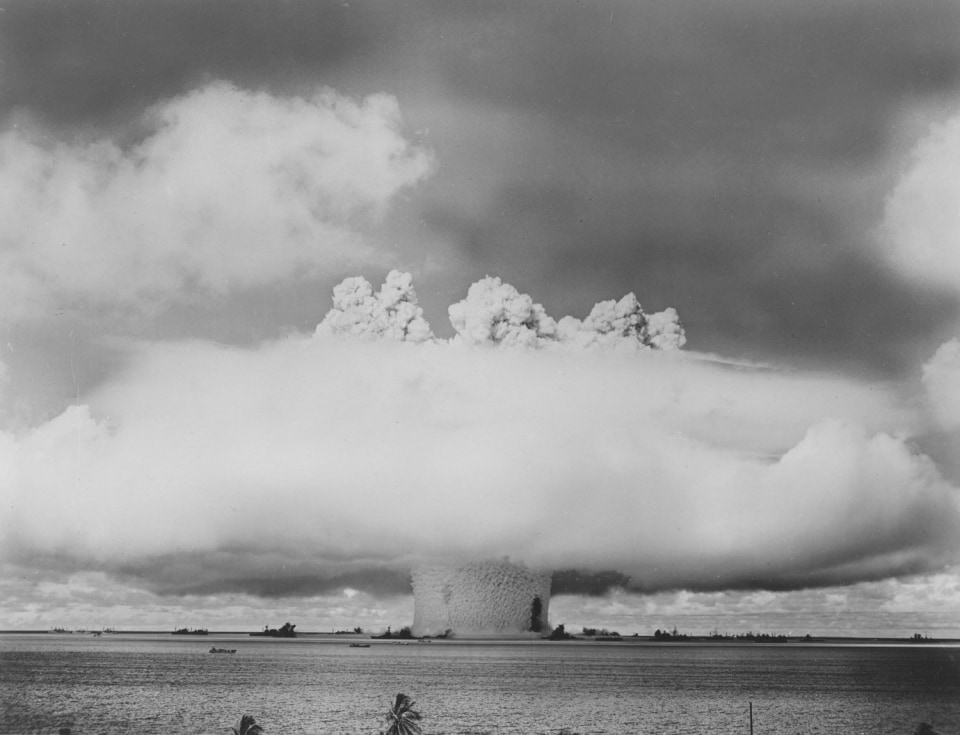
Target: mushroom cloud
[{"x": 349, "y": 457}]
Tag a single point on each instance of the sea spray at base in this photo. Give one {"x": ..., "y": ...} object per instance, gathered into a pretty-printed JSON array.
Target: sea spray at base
[{"x": 480, "y": 598}]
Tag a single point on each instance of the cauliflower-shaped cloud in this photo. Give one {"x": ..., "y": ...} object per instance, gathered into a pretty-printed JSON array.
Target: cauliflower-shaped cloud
[
  {"x": 496, "y": 313},
  {"x": 624, "y": 325},
  {"x": 392, "y": 313},
  {"x": 664, "y": 331}
]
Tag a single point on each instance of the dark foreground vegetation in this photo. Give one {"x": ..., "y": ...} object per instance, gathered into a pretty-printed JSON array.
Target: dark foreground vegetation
[{"x": 401, "y": 719}]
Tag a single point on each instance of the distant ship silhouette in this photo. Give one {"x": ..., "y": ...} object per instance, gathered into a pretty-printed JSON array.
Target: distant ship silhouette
[{"x": 285, "y": 631}]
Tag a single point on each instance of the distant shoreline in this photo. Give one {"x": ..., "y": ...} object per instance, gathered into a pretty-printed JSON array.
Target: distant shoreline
[{"x": 338, "y": 637}]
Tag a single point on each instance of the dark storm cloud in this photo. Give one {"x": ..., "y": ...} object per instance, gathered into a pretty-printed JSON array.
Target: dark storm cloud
[
  {"x": 78, "y": 62},
  {"x": 671, "y": 79},
  {"x": 705, "y": 156},
  {"x": 582, "y": 582},
  {"x": 697, "y": 72},
  {"x": 270, "y": 584},
  {"x": 274, "y": 573},
  {"x": 754, "y": 275}
]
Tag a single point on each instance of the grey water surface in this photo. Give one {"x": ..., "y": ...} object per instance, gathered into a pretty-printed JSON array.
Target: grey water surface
[{"x": 154, "y": 683}]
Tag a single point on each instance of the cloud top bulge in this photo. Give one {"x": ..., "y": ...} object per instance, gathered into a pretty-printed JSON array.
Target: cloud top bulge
[
  {"x": 920, "y": 234},
  {"x": 372, "y": 445},
  {"x": 919, "y": 238}
]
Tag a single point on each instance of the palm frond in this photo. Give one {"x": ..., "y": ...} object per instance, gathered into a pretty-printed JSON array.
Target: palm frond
[
  {"x": 247, "y": 726},
  {"x": 403, "y": 719}
]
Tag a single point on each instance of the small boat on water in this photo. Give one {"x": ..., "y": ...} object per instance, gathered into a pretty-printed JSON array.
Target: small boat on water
[
  {"x": 359, "y": 645},
  {"x": 223, "y": 650},
  {"x": 189, "y": 631}
]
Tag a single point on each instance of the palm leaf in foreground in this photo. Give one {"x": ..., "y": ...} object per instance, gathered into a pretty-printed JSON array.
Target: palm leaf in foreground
[
  {"x": 403, "y": 719},
  {"x": 247, "y": 726}
]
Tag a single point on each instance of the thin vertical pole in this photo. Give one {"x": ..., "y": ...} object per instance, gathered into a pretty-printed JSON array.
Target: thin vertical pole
[{"x": 751, "y": 718}]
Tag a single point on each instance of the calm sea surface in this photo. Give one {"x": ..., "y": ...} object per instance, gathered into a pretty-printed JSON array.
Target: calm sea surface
[{"x": 169, "y": 684}]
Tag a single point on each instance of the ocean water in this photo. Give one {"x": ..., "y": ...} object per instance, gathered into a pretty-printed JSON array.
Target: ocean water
[{"x": 169, "y": 684}]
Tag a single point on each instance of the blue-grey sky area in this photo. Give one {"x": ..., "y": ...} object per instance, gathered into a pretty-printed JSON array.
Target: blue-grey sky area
[{"x": 765, "y": 435}]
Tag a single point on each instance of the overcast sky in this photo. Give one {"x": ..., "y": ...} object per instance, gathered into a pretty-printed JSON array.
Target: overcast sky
[{"x": 183, "y": 184}]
